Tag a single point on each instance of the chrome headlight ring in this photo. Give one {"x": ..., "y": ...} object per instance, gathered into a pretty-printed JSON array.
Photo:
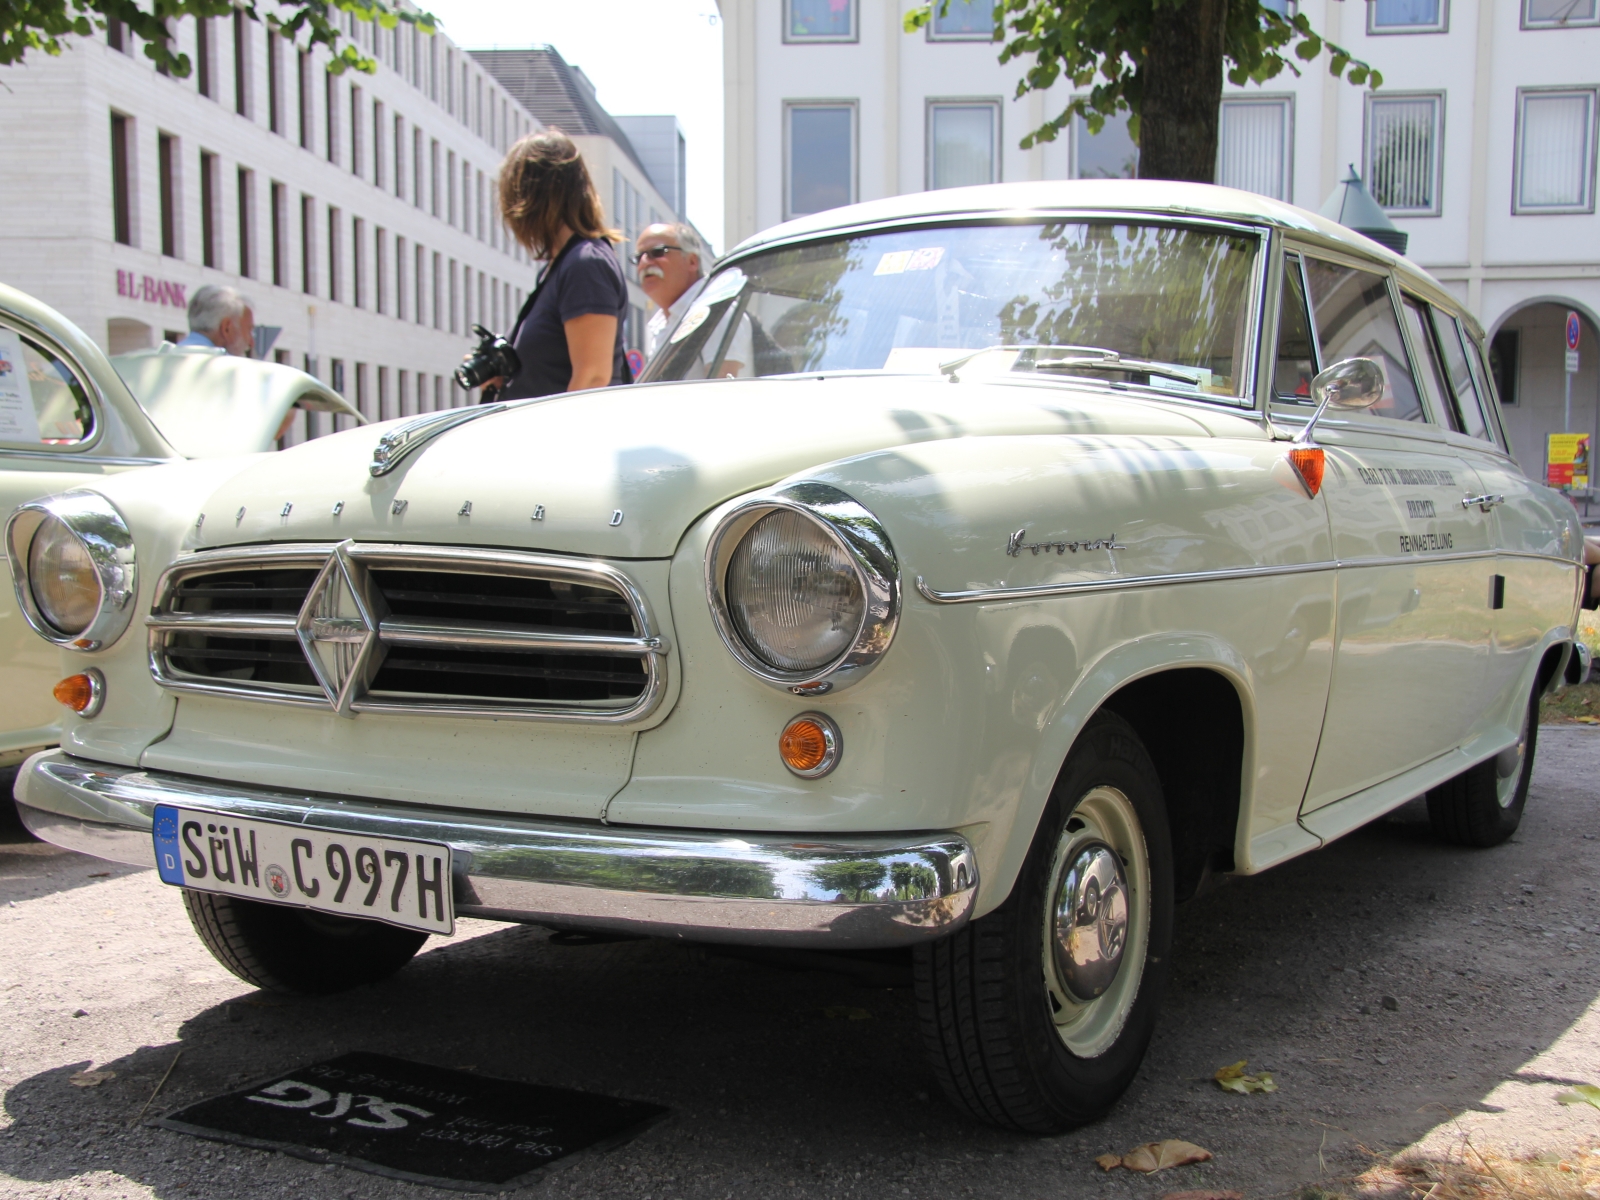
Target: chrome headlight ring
[
  {"x": 105, "y": 537},
  {"x": 867, "y": 545}
]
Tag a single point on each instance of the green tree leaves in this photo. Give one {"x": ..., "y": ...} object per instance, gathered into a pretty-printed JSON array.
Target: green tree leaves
[
  {"x": 1102, "y": 46},
  {"x": 40, "y": 25}
]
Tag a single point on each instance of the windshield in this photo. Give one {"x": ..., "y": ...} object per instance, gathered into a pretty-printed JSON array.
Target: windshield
[{"x": 1162, "y": 306}]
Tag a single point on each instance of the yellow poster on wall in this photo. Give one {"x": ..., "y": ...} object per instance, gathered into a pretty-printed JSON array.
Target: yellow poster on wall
[{"x": 1567, "y": 460}]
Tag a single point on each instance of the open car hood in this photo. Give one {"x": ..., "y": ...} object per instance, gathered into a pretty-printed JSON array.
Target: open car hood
[{"x": 209, "y": 404}]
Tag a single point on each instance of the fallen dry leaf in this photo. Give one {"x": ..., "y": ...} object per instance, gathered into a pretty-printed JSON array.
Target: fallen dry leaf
[
  {"x": 846, "y": 1013},
  {"x": 1233, "y": 1079},
  {"x": 90, "y": 1078},
  {"x": 1203, "y": 1194},
  {"x": 1587, "y": 720},
  {"x": 1155, "y": 1156}
]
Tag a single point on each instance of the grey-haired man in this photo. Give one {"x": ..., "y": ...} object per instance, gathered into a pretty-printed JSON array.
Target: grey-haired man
[
  {"x": 220, "y": 316},
  {"x": 670, "y": 272}
]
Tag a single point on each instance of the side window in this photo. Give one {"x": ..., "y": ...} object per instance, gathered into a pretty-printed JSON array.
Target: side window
[
  {"x": 1355, "y": 318},
  {"x": 1469, "y": 401},
  {"x": 1432, "y": 373},
  {"x": 42, "y": 402},
  {"x": 1297, "y": 357}
]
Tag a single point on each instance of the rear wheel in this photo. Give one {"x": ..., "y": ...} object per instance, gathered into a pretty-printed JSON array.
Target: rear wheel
[
  {"x": 1037, "y": 1016},
  {"x": 292, "y": 950},
  {"x": 1483, "y": 805}
]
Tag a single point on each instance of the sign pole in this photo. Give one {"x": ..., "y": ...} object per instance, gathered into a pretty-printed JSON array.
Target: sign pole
[{"x": 1571, "y": 332}]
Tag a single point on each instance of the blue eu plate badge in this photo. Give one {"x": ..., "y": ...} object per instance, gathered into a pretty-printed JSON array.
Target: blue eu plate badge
[{"x": 169, "y": 860}]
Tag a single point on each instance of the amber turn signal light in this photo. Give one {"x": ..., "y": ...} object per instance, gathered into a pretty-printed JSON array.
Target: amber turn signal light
[
  {"x": 83, "y": 693},
  {"x": 1308, "y": 462},
  {"x": 810, "y": 745}
]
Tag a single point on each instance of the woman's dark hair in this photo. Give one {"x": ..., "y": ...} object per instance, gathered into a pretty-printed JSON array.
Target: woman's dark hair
[{"x": 543, "y": 186}]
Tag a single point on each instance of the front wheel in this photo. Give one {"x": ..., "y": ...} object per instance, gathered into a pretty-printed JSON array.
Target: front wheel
[
  {"x": 294, "y": 950},
  {"x": 1483, "y": 805},
  {"x": 1036, "y": 1017}
]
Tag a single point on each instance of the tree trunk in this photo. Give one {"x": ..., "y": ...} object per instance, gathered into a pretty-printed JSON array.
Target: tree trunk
[{"x": 1182, "y": 86}]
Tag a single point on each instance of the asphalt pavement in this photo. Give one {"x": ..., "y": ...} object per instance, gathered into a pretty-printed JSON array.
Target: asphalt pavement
[{"x": 1386, "y": 982}]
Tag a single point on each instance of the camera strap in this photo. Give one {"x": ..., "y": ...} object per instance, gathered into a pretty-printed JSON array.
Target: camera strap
[{"x": 538, "y": 286}]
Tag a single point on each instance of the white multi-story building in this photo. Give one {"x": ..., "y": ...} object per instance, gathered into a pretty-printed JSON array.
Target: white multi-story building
[
  {"x": 1481, "y": 145},
  {"x": 358, "y": 212}
]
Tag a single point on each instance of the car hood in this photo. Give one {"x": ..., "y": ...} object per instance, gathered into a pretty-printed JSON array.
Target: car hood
[
  {"x": 208, "y": 404},
  {"x": 622, "y": 472}
]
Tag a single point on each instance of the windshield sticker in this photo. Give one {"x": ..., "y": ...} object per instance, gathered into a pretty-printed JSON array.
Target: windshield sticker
[
  {"x": 729, "y": 283},
  {"x": 695, "y": 318},
  {"x": 18, "y": 420},
  {"x": 896, "y": 262}
]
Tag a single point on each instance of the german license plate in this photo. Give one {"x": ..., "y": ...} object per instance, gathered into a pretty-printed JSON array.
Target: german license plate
[{"x": 396, "y": 880}]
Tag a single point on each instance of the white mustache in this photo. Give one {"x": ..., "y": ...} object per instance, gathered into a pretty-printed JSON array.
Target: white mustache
[{"x": 653, "y": 273}]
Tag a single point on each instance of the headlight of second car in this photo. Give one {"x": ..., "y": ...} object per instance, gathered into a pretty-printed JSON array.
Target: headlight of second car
[
  {"x": 62, "y": 578},
  {"x": 804, "y": 587},
  {"x": 72, "y": 564}
]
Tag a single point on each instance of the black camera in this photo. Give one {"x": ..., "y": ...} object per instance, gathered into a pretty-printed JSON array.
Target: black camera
[{"x": 492, "y": 358}]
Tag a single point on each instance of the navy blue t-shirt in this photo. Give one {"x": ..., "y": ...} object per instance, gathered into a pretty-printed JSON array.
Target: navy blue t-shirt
[{"x": 585, "y": 278}]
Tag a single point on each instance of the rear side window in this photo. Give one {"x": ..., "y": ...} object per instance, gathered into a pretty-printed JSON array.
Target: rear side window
[
  {"x": 1454, "y": 343},
  {"x": 1428, "y": 366},
  {"x": 42, "y": 400},
  {"x": 1355, "y": 318}
]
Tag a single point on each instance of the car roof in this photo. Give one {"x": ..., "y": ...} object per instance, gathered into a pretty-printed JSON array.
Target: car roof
[{"x": 1154, "y": 197}]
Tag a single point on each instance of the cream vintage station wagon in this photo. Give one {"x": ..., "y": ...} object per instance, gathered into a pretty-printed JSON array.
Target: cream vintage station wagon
[{"x": 976, "y": 572}]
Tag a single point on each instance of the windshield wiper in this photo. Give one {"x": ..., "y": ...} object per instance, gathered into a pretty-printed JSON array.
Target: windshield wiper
[{"x": 1082, "y": 358}]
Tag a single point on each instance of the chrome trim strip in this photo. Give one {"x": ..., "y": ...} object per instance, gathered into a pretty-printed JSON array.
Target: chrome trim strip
[
  {"x": 445, "y": 632},
  {"x": 977, "y": 595},
  {"x": 752, "y": 888},
  {"x": 649, "y": 645},
  {"x": 241, "y": 624},
  {"x": 105, "y": 537},
  {"x": 863, "y": 538}
]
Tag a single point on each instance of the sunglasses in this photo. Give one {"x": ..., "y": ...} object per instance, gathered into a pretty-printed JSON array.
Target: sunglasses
[{"x": 654, "y": 253}]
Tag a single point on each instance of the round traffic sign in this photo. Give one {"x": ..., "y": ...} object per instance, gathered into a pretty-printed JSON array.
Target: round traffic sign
[{"x": 1572, "y": 331}]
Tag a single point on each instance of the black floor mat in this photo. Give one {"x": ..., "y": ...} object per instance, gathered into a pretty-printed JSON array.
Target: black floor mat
[{"x": 411, "y": 1121}]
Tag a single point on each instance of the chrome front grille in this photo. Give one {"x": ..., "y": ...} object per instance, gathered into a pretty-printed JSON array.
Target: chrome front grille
[{"x": 370, "y": 628}]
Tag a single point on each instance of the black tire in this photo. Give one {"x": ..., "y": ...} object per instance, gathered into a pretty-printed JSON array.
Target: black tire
[
  {"x": 1483, "y": 805},
  {"x": 987, "y": 1011},
  {"x": 292, "y": 950}
]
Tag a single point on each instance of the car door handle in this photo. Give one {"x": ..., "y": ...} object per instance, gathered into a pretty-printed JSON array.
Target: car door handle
[{"x": 1484, "y": 502}]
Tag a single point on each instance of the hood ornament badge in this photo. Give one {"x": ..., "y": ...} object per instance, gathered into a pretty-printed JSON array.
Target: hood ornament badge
[
  {"x": 338, "y": 629},
  {"x": 406, "y": 439}
]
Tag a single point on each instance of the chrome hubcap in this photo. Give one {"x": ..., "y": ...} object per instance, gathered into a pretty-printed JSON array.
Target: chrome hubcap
[
  {"x": 1096, "y": 925},
  {"x": 1091, "y": 922}
]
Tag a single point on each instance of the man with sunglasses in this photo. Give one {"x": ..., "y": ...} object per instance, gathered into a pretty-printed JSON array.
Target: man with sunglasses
[{"x": 668, "y": 261}]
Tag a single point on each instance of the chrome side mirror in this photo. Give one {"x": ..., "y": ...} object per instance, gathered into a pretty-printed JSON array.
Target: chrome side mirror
[{"x": 1351, "y": 384}]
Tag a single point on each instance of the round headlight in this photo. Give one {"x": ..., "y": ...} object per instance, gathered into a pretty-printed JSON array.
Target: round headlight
[
  {"x": 793, "y": 593},
  {"x": 63, "y": 578}
]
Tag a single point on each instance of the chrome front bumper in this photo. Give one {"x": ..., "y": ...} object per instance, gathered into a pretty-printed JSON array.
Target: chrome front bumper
[{"x": 856, "y": 891}]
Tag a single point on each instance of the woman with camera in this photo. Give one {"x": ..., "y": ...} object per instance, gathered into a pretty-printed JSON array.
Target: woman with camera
[{"x": 569, "y": 334}]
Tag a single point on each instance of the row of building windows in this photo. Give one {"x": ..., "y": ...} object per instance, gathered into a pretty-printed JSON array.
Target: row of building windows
[
  {"x": 1553, "y": 156},
  {"x": 973, "y": 20},
  {"x": 376, "y": 145},
  {"x": 383, "y": 272}
]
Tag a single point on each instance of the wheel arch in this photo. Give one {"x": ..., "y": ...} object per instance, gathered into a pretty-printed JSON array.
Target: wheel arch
[{"x": 1206, "y": 682}]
